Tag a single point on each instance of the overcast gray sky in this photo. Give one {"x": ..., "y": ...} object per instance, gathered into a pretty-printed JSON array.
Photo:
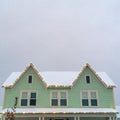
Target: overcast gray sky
[{"x": 60, "y": 35}]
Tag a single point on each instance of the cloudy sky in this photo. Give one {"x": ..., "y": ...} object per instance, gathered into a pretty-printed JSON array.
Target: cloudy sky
[{"x": 60, "y": 35}]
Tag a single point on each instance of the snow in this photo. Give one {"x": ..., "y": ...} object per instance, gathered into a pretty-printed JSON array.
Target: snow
[
  {"x": 63, "y": 110},
  {"x": 59, "y": 77},
  {"x": 64, "y": 78},
  {"x": 12, "y": 79},
  {"x": 105, "y": 78}
]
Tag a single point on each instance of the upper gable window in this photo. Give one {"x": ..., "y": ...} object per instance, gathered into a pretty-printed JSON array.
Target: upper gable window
[
  {"x": 30, "y": 79},
  {"x": 87, "y": 78}
]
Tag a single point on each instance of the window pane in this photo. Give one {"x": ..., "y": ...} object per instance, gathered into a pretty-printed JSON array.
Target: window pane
[
  {"x": 54, "y": 102},
  {"x": 63, "y": 102},
  {"x": 93, "y": 102},
  {"x": 85, "y": 102},
  {"x": 93, "y": 95},
  {"x": 33, "y": 102},
  {"x": 54, "y": 95},
  {"x": 63, "y": 95},
  {"x": 33, "y": 95},
  {"x": 84, "y": 95},
  {"x": 30, "y": 79},
  {"x": 24, "y": 102},
  {"x": 24, "y": 95},
  {"x": 87, "y": 79}
]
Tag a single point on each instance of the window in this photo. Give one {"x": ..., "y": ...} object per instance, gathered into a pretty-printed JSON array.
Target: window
[
  {"x": 89, "y": 98},
  {"x": 54, "y": 99},
  {"x": 30, "y": 79},
  {"x": 84, "y": 99},
  {"x": 58, "y": 98},
  {"x": 63, "y": 99},
  {"x": 28, "y": 98},
  {"x": 24, "y": 99},
  {"x": 93, "y": 99},
  {"x": 32, "y": 99},
  {"x": 88, "y": 79}
]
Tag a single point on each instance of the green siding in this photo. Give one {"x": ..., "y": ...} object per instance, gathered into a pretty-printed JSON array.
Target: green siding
[{"x": 105, "y": 95}]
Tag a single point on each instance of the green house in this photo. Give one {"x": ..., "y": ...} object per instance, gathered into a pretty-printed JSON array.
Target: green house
[{"x": 59, "y": 95}]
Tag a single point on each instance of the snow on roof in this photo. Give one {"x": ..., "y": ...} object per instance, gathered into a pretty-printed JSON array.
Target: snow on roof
[
  {"x": 59, "y": 77},
  {"x": 106, "y": 79},
  {"x": 62, "y": 110},
  {"x": 65, "y": 78},
  {"x": 12, "y": 79}
]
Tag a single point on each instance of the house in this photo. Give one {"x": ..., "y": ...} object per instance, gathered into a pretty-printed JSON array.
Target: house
[{"x": 84, "y": 95}]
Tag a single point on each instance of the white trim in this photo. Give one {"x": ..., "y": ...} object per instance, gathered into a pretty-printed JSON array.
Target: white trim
[
  {"x": 28, "y": 98},
  {"x": 89, "y": 97},
  {"x": 58, "y": 96}
]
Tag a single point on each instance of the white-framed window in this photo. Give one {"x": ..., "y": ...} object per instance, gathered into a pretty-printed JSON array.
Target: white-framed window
[
  {"x": 28, "y": 98},
  {"x": 89, "y": 98},
  {"x": 88, "y": 79},
  {"x": 63, "y": 99},
  {"x": 54, "y": 99},
  {"x": 29, "y": 79},
  {"x": 59, "y": 98}
]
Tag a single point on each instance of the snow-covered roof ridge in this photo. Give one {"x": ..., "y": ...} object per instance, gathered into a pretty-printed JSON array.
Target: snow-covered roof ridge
[{"x": 59, "y": 78}]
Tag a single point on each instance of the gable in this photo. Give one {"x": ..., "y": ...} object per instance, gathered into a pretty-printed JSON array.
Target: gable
[
  {"x": 15, "y": 77},
  {"x": 102, "y": 77},
  {"x": 81, "y": 82}
]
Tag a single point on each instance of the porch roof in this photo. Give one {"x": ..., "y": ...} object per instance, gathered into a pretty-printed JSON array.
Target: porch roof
[{"x": 60, "y": 110}]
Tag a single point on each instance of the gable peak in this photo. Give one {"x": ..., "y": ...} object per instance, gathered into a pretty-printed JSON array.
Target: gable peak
[
  {"x": 87, "y": 65},
  {"x": 30, "y": 64}
]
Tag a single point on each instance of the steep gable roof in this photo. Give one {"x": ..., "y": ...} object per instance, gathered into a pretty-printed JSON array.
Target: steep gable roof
[
  {"x": 59, "y": 78},
  {"x": 15, "y": 77},
  {"x": 101, "y": 76}
]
